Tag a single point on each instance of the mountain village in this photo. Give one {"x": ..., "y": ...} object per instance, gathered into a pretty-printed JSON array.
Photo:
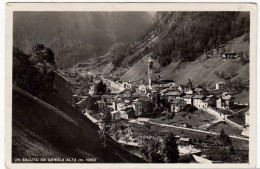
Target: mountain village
[
  {"x": 156, "y": 102},
  {"x": 132, "y": 86}
]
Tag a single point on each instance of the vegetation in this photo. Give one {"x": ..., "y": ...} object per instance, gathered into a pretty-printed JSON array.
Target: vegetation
[
  {"x": 160, "y": 152},
  {"x": 101, "y": 87},
  {"x": 190, "y": 108},
  {"x": 91, "y": 104},
  {"x": 186, "y": 35},
  {"x": 224, "y": 138},
  {"x": 106, "y": 123},
  {"x": 192, "y": 34},
  {"x": 171, "y": 149},
  {"x": 34, "y": 73}
]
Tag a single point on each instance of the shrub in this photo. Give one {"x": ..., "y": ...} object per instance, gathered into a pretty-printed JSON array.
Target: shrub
[{"x": 190, "y": 108}]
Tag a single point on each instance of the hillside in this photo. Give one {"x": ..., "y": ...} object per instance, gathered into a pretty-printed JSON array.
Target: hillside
[
  {"x": 186, "y": 45},
  {"x": 44, "y": 122},
  {"x": 77, "y": 36},
  {"x": 41, "y": 130},
  {"x": 202, "y": 69},
  {"x": 183, "y": 36}
]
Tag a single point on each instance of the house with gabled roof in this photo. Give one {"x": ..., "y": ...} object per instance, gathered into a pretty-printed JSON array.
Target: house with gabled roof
[
  {"x": 188, "y": 98},
  {"x": 101, "y": 105},
  {"x": 185, "y": 141},
  {"x": 187, "y": 89},
  {"x": 200, "y": 91},
  {"x": 171, "y": 95},
  {"x": 177, "y": 105},
  {"x": 225, "y": 101},
  {"x": 108, "y": 99},
  {"x": 198, "y": 101},
  {"x": 137, "y": 106},
  {"x": 127, "y": 93},
  {"x": 209, "y": 102}
]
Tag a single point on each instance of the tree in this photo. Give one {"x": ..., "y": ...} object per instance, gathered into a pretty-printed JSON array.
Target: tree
[
  {"x": 154, "y": 153},
  {"x": 105, "y": 126},
  {"x": 222, "y": 75},
  {"x": 156, "y": 111},
  {"x": 147, "y": 109},
  {"x": 224, "y": 138},
  {"x": 231, "y": 150},
  {"x": 91, "y": 105},
  {"x": 171, "y": 149},
  {"x": 152, "y": 150},
  {"x": 169, "y": 115},
  {"x": 101, "y": 87},
  {"x": 34, "y": 73},
  {"x": 148, "y": 129}
]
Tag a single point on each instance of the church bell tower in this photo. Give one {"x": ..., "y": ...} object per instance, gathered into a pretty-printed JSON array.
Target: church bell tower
[{"x": 150, "y": 72}]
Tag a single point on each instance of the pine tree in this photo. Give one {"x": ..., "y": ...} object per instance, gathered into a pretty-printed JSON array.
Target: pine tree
[{"x": 171, "y": 149}]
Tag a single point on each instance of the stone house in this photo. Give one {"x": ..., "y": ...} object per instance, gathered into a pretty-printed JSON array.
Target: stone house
[
  {"x": 101, "y": 105},
  {"x": 188, "y": 99},
  {"x": 209, "y": 102},
  {"x": 138, "y": 109},
  {"x": 187, "y": 89},
  {"x": 127, "y": 93},
  {"x": 171, "y": 95},
  {"x": 177, "y": 105},
  {"x": 220, "y": 85},
  {"x": 108, "y": 99},
  {"x": 200, "y": 91},
  {"x": 198, "y": 101},
  {"x": 225, "y": 101}
]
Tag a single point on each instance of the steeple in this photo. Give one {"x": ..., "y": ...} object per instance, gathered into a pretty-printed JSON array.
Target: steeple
[{"x": 150, "y": 72}]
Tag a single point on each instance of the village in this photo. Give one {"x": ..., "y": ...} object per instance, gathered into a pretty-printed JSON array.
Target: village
[{"x": 166, "y": 104}]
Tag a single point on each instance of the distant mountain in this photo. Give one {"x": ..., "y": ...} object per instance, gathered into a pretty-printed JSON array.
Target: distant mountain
[{"x": 77, "y": 36}]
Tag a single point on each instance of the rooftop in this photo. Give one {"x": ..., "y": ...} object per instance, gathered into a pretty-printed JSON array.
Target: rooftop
[
  {"x": 220, "y": 83},
  {"x": 188, "y": 96},
  {"x": 227, "y": 97},
  {"x": 108, "y": 96},
  {"x": 198, "y": 97},
  {"x": 210, "y": 96},
  {"x": 184, "y": 139},
  {"x": 176, "y": 100},
  {"x": 198, "y": 89},
  {"x": 206, "y": 100},
  {"x": 173, "y": 93},
  {"x": 101, "y": 101}
]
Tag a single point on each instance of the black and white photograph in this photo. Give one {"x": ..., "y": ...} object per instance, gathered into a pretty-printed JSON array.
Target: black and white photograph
[{"x": 124, "y": 86}]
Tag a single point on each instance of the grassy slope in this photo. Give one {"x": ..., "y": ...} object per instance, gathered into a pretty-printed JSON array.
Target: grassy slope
[
  {"x": 193, "y": 119},
  {"x": 69, "y": 132},
  {"x": 28, "y": 144},
  {"x": 137, "y": 71},
  {"x": 198, "y": 70}
]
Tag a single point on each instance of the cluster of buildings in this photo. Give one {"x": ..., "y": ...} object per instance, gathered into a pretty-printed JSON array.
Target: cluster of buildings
[{"x": 135, "y": 101}]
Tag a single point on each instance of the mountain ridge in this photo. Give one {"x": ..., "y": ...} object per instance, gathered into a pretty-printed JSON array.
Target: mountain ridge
[{"x": 77, "y": 36}]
